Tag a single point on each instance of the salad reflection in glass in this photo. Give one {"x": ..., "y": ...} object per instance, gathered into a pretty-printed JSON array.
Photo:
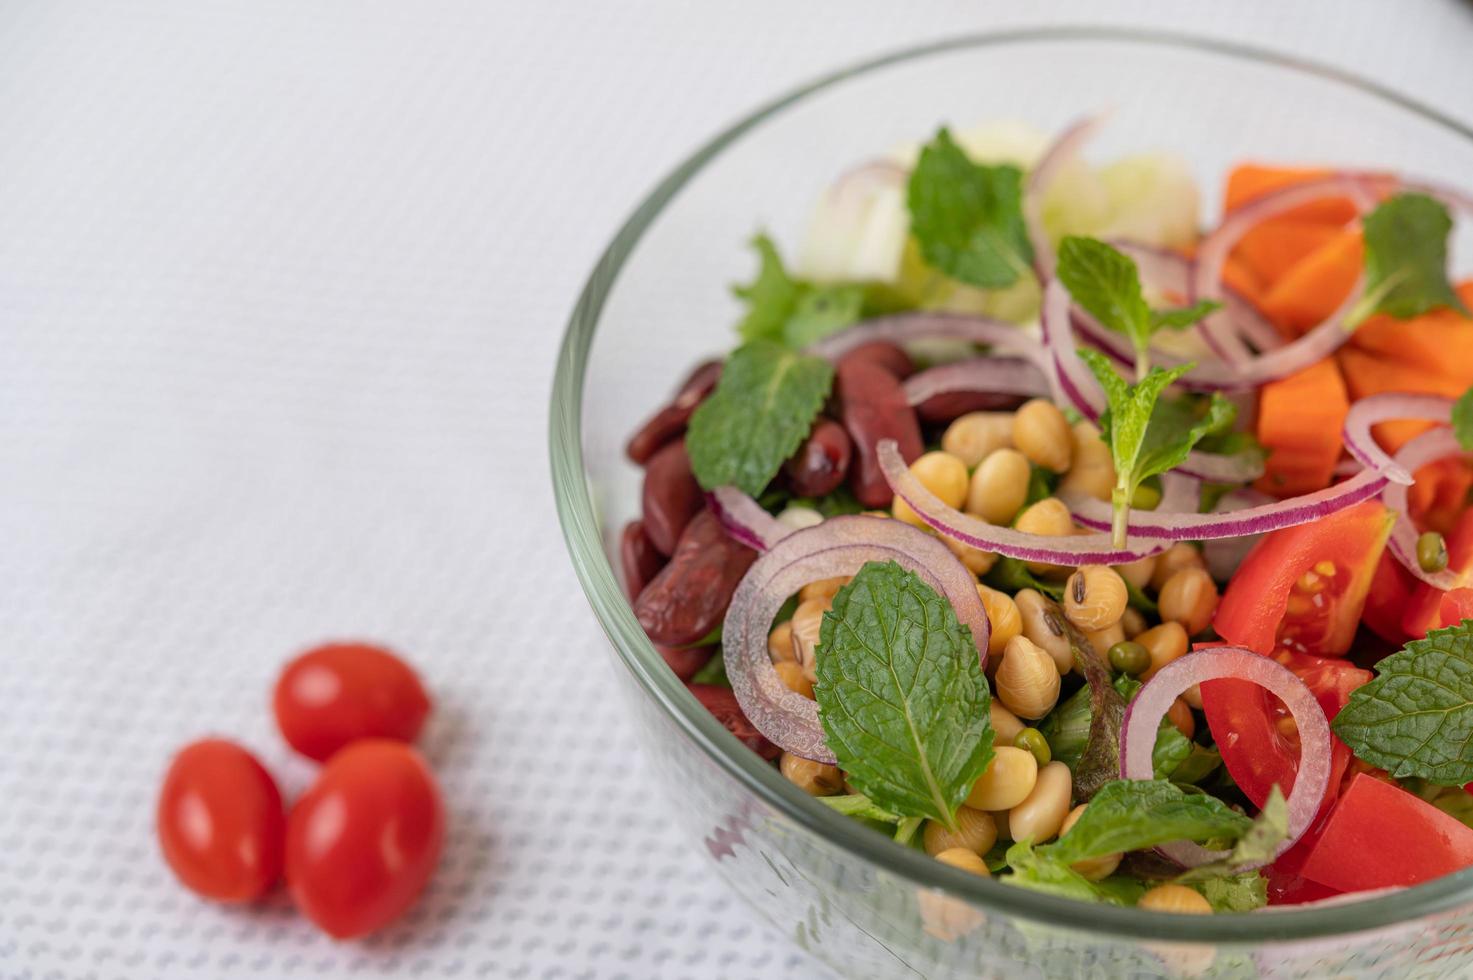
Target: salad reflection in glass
[{"x": 1039, "y": 530}]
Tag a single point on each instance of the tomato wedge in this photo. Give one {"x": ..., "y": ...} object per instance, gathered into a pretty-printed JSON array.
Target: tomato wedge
[
  {"x": 1423, "y": 609},
  {"x": 1380, "y": 836},
  {"x": 1456, "y": 606},
  {"x": 1386, "y": 602},
  {"x": 1302, "y": 589}
]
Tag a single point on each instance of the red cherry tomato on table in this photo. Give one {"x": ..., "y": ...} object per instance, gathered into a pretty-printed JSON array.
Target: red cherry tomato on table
[
  {"x": 362, "y": 843},
  {"x": 341, "y": 692},
  {"x": 220, "y": 822}
]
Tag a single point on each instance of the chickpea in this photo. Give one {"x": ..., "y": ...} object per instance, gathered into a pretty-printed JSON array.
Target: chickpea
[
  {"x": 807, "y": 622},
  {"x": 1193, "y": 696},
  {"x": 1164, "y": 643},
  {"x": 798, "y": 517},
  {"x": 1090, "y": 448},
  {"x": 813, "y": 778},
  {"x": 975, "y": 830},
  {"x": 1048, "y": 517},
  {"x": 960, "y": 857},
  {"x": 975, "y": 560},
  {"x": 1138, "y": 573},
  {"x": 1006, "y": 782},
  {"x": 780, "y": 642},
  {"x": 1089, "y": 481},
  {"x": 1002, "y": 613},
  {"x": 793, "y": 678},
  {"x": 942, "y": 474},
  {"x": 1189, "y": 597},
  {"x": 1041, "y": 433},
  {"x": 824, "y": 588},
  {"x": 1103, "y": 640},
  {"x": 1040, "y": 627},
  {"x": 1005, "y": 724},
  {"x": 1175, "y": 898},
  {"x": 1181, "y": 716},
  {"x": 1040, "y": 816},
  {"x": 999, "y": 486},
  {"x": 1095, "y": 868},
  {"x": 972, "y": 437},
  {"x": 1172, "y": 560},
  {"x": 1133, "y": 622},
  {"x": 1094, "y": 597},
  {"x": 1027, "y": 680}
]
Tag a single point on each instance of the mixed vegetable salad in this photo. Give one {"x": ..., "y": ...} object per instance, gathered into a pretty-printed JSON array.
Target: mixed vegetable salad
[{"x": 1048, "y": 534}]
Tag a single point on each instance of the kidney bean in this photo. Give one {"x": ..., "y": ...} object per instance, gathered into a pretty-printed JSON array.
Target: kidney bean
[
  {"x": 671, "y": 496},
  {"x": 723, "y": 704},
  {"x": 821, "y": 463},
  {"x": 638, "y": 558},
  {"x": 686, "y": 661},
  {"x": 686, "y": 601},
  {"x": 887, "y": 355},
  {"x": 952, "y": 405},
  {"x": 670, "y": 421},
  {"x": 873, "y": 408}
]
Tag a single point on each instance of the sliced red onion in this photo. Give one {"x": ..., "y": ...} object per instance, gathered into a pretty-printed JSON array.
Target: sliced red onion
[
  {"x": 1079, "y": 549},
  {"x": 839, "y": 546},
  {"x": 1179, "y": 493},
  {"x": 1161, "y": 525},
  {"x": 1144, "y": 713},
  {"x": 1224, "y": 555},
  {"x": 745, "y": 520},
  {"x": 903, "y": 328},
  {"x": 1064, "y": 149},
  {"x": 996, "y": 375},
  {"x": 1388, "y": 407},
  {"x": 1425, "y": 448}
]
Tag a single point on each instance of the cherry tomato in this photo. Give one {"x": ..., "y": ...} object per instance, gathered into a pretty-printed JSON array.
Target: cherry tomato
[
  {"x": 723, "y": 704},
  {"x": 341, "y": 692},
  {"x": 220, "y": 822},
  {"x": 1274, "y": 602},
  {"x": 363, "y": 841}
]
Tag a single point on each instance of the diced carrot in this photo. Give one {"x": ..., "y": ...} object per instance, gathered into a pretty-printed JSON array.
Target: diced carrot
[
  {"x": 1249, "y": 180},
  {"x": 1316, "y": 286},
  {"x": 1273, "y": 248},
  {"x": 1242, "y": 279},
  {"x": 1370, "y": 374},
  {"x": 1299, "y": 422},
  {"x": 1440, "y": 341}
]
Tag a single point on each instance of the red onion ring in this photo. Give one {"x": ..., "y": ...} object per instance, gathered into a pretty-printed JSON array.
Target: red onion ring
[
  {"x": 1144, "y": 713},
  {"x": 1064, "y": 149},
  {"x": 1425, "y": 448},
  {"x": 1224, "y": 555},
  {"x": 1385, "y": 408},
  {"x": 838, "y": 546},
  {"x": 901, "y": 328},
  {"x": 1085, "y": 549},
  {"x": 745, "y": 520},
  {"x": 1179, "y": 493},
  {"x": 1000, "y": 375}
]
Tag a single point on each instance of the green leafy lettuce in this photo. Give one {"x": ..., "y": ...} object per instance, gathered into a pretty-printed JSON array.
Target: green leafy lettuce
[
  {"x": 967, "y": 217},
  {"x": 793, "y": 311},
  {"x": 1406, "y": 259},
  {"x": 1416, "y": 717},
  {"x": 760, "y": 413},
  {"x": 901, "y": 695}
]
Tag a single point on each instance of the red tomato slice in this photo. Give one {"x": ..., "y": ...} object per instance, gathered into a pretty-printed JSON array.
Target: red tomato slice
[
  {"x": 1380, "y": 836},
  {"x": 1386, "y": 602},
  {"x": 1423, "y": 610},
  {"x": 1456, "y": 606},
  {"x": 1302, "y": 589}
]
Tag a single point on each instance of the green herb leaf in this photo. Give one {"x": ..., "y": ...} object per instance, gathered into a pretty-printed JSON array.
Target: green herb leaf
[
  {"x": 1255, "y": 847},
  {"x": 1067, "y": 729},
  {"x": 1463, "y": 419},
  {"x": 1246, "y": 892},
  {"x": 793, "y": 311},
  {"x": 901, "y": 695},
  {"x": 968, "y": 217},
  {"x": 1182, "y": 317},
  {"x": 1406, "y": 259},
  {"x": 1038, "y": 870},
  {"x": 1201, "y": 763},
  {"x": 1416, "y": 717},
  {"x": 859, "y": 806},
  {"x": 1012, "y": 576},
  {"x": 760, "y": 413},
  {"x": 1106, "y": 282},
  {"x": 1099, "y": 762},
  {"x": 1131, "y": 814}
]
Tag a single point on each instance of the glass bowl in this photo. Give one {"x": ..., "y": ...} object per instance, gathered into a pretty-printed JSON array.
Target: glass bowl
[{"x": 659, "y": 300}]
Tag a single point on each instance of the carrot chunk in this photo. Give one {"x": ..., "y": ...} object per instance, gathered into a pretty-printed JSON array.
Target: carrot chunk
[{"x": 1299, "y": 422}]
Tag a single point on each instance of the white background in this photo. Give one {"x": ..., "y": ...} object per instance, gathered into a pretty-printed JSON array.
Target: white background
[{"x": 280, "y": 289}]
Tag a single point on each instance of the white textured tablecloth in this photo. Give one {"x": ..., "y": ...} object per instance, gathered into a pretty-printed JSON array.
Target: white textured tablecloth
[{"x": 280, "y": 289}]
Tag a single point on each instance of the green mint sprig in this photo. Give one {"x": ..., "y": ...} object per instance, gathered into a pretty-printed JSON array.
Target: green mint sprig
[
  {"x": 790, "y": 310},
  {"x": 1416, "y": 717},
  {"x": 901, "y": 695},
  {"x": 1256, "y": 846},
  {"x": 1132, "y": 814},
  {"x": 760, "y": 413},
  {"x": 1406, "y": 259},
  {"x": 1148, "y": 435},
  {"x": 967, "y": 217}
]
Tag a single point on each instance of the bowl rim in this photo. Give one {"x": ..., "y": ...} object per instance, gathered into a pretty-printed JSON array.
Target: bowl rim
[{"x": 596, "y": 574}]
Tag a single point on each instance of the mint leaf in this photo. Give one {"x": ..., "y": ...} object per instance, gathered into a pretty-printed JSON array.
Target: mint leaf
[
  {"x": 859, "y": 806},
  {"x": 760, "y": 413},
  {"x": 1255, "y": 847},
  {"x": 1201, "y": 763},
  {"x": 1181, "y": 317},
  {"x": 1463, "y": 419},
  {"x": 1099, "y": 761},
  {"x": 1416, "y": 717},
  {"x": 1038, "y": 870},
  {"x": 1246, "y": 892},
  {"x": 968, "y": 217},
  {"x": 901, "y": 695},
  {"x": 1174, "y": 431},
  {"x": 1406, "y": 259},
  {"x": 1012, "y": 575},
  {"x": 793, "y": 311},
  {"x": 1131, "y": 814},
  {"x": 1107, "y": 283}
]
